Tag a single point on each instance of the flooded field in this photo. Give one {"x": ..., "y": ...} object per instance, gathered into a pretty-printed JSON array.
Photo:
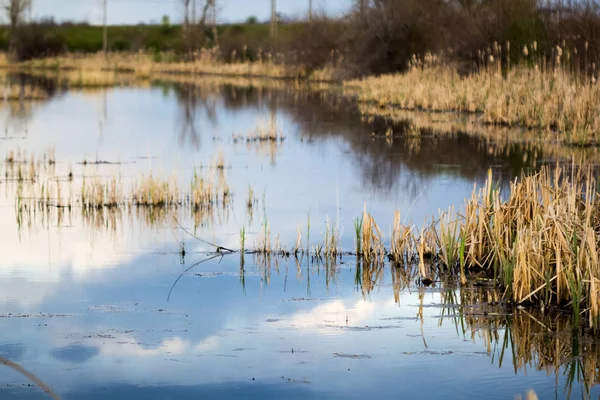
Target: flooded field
[{"x": 106, "y": 291}]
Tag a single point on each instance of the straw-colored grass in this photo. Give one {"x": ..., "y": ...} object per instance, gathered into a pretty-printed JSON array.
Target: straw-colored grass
[
  {"x": 21, "y": 166},
  {"x": 542, "y": 241},
  {"x": 402, "y": 242},
  {"x": 371, "y": 238},
  {"x": 552, "y": 101},
  {"x": 539, "y": 242},
  {"x": 205, "y": 62}
]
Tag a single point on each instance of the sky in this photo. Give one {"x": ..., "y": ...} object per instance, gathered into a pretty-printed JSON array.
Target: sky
[{"x": 136, "y": 11}]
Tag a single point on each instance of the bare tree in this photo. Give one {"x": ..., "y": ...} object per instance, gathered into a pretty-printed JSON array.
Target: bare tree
[
  {"x": 193, "y": 27},
  {"x": 186, "y": 13},
  {"x": 15, "y": 11}
]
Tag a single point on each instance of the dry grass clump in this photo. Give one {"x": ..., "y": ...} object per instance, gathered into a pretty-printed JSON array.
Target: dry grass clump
[
  {"x": 98, "y": 194},
  {"x": 264, "y": 131},
  {"x": 370, "y": 238},
  {"x": 205, "y": 193},
  {"x": 542, "y": 241},
  {"x": 151, "y": 191},
  {"x": 21, "y": 166},
  {"x": 266, "y": 138},
  {"x": 402, "y": 242},
  {"x": 330, "y": 246},
  {"x": 552, "y": 100}
]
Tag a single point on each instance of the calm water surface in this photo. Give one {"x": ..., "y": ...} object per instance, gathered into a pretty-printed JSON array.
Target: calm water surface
[{"x": 107, "y": 307}]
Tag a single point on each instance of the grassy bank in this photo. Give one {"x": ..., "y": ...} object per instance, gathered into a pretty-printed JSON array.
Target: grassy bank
[
  {"x": 555, "y": 104},
  {"x": 149, "y": 65},
  {"x": 551, "y": 103}
]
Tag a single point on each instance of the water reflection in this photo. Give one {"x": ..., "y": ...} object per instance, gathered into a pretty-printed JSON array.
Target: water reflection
[
  {"x": 108, "y": 292},
  {"x": 526, "y": 339},
  {"x": 37, "y": 381},
  {"x": 291, "y": 317},
  {"x": 194, "y": 103},
  {"x": 383, "y": 162}
]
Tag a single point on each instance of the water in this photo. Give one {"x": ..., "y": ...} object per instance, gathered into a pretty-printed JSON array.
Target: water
[{"x": 105, "y": 305}]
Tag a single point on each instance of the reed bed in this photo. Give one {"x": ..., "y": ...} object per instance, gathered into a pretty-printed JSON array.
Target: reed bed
[
  {"x": 550, "y": 100},
  {"x": 204, "y": 62},
  {"x": 538, "y": 242},
  {"x": 541, "y": 242}
]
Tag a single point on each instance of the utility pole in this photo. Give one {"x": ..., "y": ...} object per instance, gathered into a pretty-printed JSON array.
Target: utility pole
[
  {"x": 105, "y": 33},
  {"x": 310, "y": 15},
  {"x": 193, "y": 30},
  {"x": 273, "y": 19},
  {"x": 193, "y": 12},
  {"x": 213, "y": 6}
]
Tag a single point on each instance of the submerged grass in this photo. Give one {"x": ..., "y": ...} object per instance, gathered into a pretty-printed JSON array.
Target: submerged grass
[
  {"x": 40, "y": 187},
  {"x": 538, "y": 243}
]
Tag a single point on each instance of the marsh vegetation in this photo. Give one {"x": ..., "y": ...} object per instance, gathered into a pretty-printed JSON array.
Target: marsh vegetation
[{"x": 409, "y": 182}]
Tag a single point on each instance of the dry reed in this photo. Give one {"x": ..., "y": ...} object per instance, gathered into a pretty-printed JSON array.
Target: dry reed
[
  {"x": 552, "y": 101},
  {"x": 204, "y": 62}
]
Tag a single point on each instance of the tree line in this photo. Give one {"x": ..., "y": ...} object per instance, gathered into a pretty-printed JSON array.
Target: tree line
[{"x": 374, "y": 36}]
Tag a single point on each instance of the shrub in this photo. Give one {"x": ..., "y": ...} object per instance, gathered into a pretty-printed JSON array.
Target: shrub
[{"x": 37, "y": 40}]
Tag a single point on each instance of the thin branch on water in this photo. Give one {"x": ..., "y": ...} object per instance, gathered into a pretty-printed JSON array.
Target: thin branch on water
[
  {"x": 189, "y": 268},
  {"x": 47, "y": 389},
  {"x": 220, "y": 249}
]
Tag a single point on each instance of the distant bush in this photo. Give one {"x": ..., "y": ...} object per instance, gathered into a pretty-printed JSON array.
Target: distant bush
[
  {"x": 318, "y": 43},
  {"x": 120, "y": 45},
  {"x": 37, "y": 40},
  {"x": 373, "y": 37}
]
